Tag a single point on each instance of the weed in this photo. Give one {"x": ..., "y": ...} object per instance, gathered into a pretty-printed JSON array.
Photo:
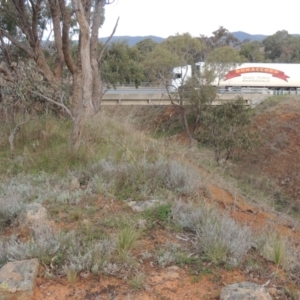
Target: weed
[
  {"x": 160, "y": 213},
  {"x": 126, "y": 241},
  {"x": 137, "y": 283},
  {"x": 279, "y": 252},
  {"x": 76, "y": 214},
  {"x": 72, "y": 275},
  {"x": 91, "y": 233}
]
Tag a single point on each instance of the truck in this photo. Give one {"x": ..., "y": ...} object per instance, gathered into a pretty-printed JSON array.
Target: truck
[{"x": 271, "y": 76}]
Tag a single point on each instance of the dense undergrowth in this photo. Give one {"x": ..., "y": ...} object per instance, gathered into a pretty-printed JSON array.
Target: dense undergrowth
[{"x": 119, "y": 163}]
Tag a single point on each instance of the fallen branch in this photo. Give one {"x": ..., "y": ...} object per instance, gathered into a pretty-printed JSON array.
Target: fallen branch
[{"x": 60, "y": 104}]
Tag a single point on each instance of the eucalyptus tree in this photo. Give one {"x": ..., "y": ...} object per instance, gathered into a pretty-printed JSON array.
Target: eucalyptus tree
[
  {"x": 175, "y": 52},
  {"x": 24, "y": 25}
]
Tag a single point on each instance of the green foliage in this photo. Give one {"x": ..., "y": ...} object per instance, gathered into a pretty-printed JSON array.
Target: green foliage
[
  {"x": 121, "y": 64},
  {"x": 226, "y": 129},
  {"x": 178, "y": 50},
  {"x": 222, "y": 60},
  {"x": 145, "y": 47},
  {"x": 159, "y": 65},
  {"x": 252, "y": 51},
  {"x": 282, "y": 47},
  {"x": 160, "y": 213}
]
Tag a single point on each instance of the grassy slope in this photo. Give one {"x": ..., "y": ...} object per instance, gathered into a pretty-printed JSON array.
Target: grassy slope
[{"x": 118, "y": 164}]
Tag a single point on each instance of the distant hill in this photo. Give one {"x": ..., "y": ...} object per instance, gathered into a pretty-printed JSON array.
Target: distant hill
[
  {"x": 240, "y": 35},
  {"x": 132, "y": 40}
]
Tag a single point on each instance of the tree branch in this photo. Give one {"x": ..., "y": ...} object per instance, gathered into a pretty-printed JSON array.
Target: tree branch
[
  {"x": 17, "y": 43},
  {"x": 95, "y": 28},
  {"x": 66, "y": 16},
  {"x": 5, "y": 51},
  {"x": 6, "y": 73},
  {"x": 62, "y": 105},
  {"x": 108, "y": 40}
]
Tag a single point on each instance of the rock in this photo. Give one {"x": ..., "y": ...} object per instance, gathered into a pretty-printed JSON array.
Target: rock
[
  {"x": 75, "y": 185},
  {"x": 17, "y": 279},
  {"x": 139, "y": 206},
  {"x": 245, "y": 291},
  {"x": 272, "y": 291},
  {"x": 33, "y": 219}
]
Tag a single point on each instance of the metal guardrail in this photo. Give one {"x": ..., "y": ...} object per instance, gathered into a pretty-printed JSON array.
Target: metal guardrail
[
  {"x": 159, "y": 96},
  {"x": 158, "y": 99}
]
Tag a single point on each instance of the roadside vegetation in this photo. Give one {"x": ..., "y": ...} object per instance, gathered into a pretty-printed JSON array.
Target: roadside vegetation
[{"x": 116, "y": 166}]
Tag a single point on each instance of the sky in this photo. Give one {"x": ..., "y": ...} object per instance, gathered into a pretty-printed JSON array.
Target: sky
[{"x": 167, "y": 17}]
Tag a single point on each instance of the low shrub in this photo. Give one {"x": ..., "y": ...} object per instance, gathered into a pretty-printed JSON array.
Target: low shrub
[{"x": 217, "y": 236}]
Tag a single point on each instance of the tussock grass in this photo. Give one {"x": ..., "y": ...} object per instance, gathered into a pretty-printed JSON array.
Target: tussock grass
[
  {"x": 137, "y": 282},
  {"x": 126, "y": 241},
  {"x": 278, "y": 250}
]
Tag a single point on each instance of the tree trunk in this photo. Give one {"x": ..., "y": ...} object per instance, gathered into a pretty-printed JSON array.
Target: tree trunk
[
  {"x": 82, "y": 81},
  {"x": 186, "y": 126},
  {"x": 76, "y": 92},
  {"x": 97, "y": 84}
]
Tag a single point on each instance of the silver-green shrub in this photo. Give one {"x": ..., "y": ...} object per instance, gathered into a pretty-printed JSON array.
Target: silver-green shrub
[
  {"x": 217, "y": 236},
  {"x": 144, "y": 179},
  {"x": 92, "y": 257}
]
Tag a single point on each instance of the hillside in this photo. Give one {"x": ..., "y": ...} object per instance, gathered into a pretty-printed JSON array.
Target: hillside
[
  {"x": 241, "y": 36},
  {"x": 139, "y": 215},
  {"x": 132, "y": 40}
]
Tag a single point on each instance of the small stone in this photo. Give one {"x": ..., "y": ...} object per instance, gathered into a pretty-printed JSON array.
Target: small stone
[
  {"x": 272, "y": 291},
  {"x": 139, "y": 206}
]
